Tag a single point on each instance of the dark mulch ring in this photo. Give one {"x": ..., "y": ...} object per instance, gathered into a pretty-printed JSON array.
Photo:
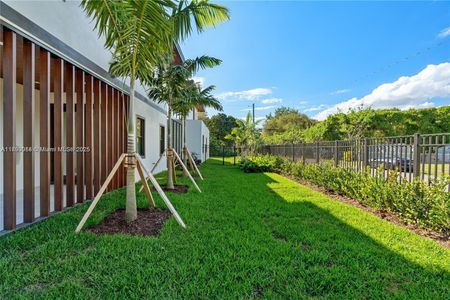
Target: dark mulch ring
[
  {"x": 179, "y": 189},
  {"x": 441, "y": 238},
  {"x": 149, "y": 222}
]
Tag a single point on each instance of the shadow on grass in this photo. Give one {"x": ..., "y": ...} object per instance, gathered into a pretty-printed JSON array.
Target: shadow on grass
[{"x": 347, "y": 252}]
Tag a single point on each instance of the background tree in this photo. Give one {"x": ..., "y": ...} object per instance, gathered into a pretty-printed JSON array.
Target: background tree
[
  {"x": 285, "y": 126},
  {"x": 246, "y": 134},
  {"x": 220, "y": 125},
  {"x": 379, "y": 123}
]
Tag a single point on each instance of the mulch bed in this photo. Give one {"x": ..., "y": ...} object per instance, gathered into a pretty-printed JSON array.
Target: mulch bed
[
  {"x": 179, "y": 189},
  {"x": 441, "y": 238},
  {"x": 149, "y": 222}
]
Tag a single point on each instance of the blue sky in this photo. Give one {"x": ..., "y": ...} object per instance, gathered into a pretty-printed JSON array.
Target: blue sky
[{"x": 315, "y": 55}]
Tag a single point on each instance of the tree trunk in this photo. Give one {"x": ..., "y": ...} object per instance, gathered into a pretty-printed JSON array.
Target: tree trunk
[
  {"x": 169, "y": 153},
  {"x": 131, "y": 210},
  {"x": 185, "y": 153}
]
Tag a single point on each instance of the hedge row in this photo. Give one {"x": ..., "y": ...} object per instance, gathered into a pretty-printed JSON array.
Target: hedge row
[{"x": 416, "y": 202}]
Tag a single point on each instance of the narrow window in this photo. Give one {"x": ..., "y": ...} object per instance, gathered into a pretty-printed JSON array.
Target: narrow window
[
  {"x": 162, "y": 139},
  {"x": 140, "y": 136}
]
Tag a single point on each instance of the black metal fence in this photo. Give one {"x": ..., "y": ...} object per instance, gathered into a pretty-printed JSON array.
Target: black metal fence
[{"x": 422, "y": 156}]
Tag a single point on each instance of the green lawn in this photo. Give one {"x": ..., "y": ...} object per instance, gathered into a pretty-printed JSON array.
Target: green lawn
[{"x": 249, "y": 235}]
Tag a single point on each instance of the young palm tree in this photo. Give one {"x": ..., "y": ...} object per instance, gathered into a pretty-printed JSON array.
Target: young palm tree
[
  {"x": 246, "y": 134},
  {"x": 167, "y": 86},
  {"x": 193, "y": 96},
  {"x": 140, "y": 34}
]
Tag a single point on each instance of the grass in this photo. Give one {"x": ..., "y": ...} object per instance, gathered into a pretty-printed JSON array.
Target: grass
[{"x": 248, "y": 236}]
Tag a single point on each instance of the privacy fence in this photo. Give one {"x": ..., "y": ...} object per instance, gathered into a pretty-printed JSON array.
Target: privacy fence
[{"x": 421, "y": 156}]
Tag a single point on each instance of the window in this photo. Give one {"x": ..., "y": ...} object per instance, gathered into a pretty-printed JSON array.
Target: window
[
  {"x": 162, "y": 139},
  {"x": 203, "y": 143},
  {"x": 140, "y": 136}
]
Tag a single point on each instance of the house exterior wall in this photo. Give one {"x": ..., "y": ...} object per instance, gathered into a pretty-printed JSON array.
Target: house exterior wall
[
  {"x": 197, "y": 138},
  {"x": 68, "y": 25}
]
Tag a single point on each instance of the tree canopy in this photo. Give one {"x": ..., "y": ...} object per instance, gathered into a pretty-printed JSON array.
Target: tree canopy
[
  {"x": 220, "y": 125},
  {"x": 285, "y": 126},
  {"x": 380, "y": 123}
]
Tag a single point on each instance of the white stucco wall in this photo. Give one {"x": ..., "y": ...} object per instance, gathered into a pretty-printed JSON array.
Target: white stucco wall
[
  {"x": 196, "y": 130},
  {"x": 153, "y": 120}
]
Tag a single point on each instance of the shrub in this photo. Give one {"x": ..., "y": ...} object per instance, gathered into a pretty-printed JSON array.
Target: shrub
[
  {"x": 415, "y": 202},
  {"x": 260, "y": 163}
]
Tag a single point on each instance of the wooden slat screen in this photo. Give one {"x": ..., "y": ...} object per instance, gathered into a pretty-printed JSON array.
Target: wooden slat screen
[{"x": 84, "y": 122}]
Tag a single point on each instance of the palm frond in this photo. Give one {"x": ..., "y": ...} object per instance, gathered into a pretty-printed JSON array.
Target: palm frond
[
  {"x": 202, "y": 62},
  {"x": 201, "y": 12}
]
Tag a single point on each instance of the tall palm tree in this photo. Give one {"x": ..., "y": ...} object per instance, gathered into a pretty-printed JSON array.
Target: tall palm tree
[
  {"x": 140, "y": 34},
  {"x": 193, "y": 96},
  {"x": 167, "y": 85}
]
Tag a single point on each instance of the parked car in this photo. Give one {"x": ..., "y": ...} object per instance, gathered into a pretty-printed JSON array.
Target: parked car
[{"x": 396, "y": 163}]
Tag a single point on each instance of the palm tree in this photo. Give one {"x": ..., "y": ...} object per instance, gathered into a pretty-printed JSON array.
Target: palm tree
[
  {"x": 246, "y": 134},
  {"x": 167, "y": 85},
  {"x": 140, "y": 34},
  {"x": 193, "y": 96}
]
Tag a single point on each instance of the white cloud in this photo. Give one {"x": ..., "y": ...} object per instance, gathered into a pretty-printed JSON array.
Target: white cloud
[
  {"x": 341, "y": 91},
  {"x": 253, "y": 94},
  {"x": 265, "y": 107},
  {"x": 404, "y": 93},
  {"x": 444, "y": 32},
  {"x": 303, "y": 102},
  {"x": 272, "y": 100},
  {"x": 199, "y": 80},
  {"x": 316, "y": 108}
]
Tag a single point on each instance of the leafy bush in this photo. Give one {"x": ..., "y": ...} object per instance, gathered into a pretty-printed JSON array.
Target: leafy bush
[
  {"x": 260, "y": 163},
  {"x": 416, "y": 202}
]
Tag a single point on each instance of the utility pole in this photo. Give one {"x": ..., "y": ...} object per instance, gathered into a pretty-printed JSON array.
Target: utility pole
[{"x": 253, "y": 109}]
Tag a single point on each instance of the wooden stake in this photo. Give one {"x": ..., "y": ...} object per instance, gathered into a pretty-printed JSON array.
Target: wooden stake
[
  {"x": 163, "y": 196},
  {"x": 191, "y": 160},
  {"x": 145, "y": 185},
  {"x": 157, "y": 162},
  {"x": 154, "y": 167},
  {"x": 187, "y": 171},
  {"x": 100, "y": 193},
  {"x": 174, "y": 173}
]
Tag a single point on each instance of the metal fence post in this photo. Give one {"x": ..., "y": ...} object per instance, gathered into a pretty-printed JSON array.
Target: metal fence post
[
  {"x": 317, "y": 152},
  {"x": 223, "y": 155},
  {"x": 303, "y": 153},
  {"x": 293, "y": 153},
  {"x": 336, "y": 154},
  {"x": 234, "y": 155},
  {"x": 416, "y": 153},
  {"x": 366, "y": 153}
]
